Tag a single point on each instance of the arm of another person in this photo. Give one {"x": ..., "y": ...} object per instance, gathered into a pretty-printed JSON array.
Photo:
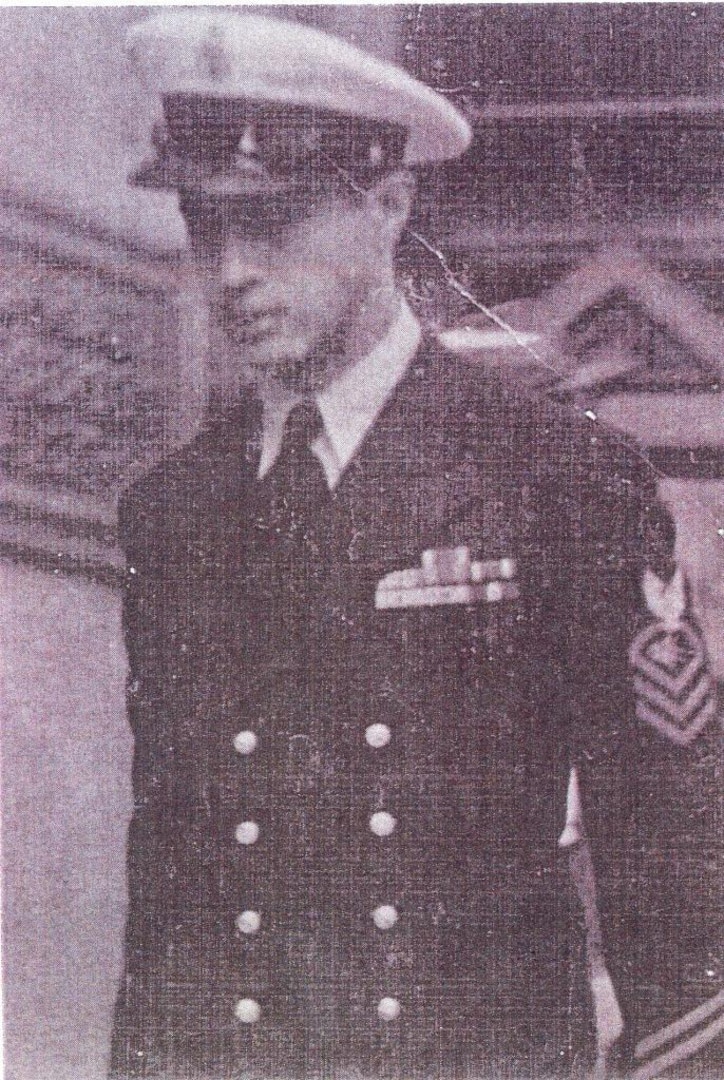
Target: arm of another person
[{"x": 648, "y": 749}]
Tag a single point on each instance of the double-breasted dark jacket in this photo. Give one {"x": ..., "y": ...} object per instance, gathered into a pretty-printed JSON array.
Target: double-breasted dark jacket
[{"x": 344, "y": 856}]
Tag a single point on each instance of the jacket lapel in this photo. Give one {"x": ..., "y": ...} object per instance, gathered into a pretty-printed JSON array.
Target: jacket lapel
[
  {"x": 416, "y": 481},
  {"x": 206, "y": 489}
]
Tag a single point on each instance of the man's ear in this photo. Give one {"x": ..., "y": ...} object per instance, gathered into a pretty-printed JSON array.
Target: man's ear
[{"x": 391, "y": 198}]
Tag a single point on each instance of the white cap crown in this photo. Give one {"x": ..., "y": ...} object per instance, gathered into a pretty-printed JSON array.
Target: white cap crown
[{"x": 218, "y": 54}]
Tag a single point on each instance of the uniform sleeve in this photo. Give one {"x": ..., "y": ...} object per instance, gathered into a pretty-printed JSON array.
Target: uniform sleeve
[
  {"x": 647, "y": 746},
  {"x": 147, "y": 611},
  {"x": 160, "y": 813}
]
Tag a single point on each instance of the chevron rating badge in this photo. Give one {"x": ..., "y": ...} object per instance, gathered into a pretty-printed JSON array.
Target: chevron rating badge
[{"x": 672, "y": 684}]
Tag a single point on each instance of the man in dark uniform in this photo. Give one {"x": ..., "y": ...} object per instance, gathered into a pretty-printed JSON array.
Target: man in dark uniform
[{"x": 383, "y": 615}]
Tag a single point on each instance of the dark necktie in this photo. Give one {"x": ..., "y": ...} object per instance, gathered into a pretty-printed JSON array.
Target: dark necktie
[{"x": 298, "y": 484}]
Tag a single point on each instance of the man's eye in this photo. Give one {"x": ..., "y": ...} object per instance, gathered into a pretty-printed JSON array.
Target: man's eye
[
  {"x": 248, "y": 219},
  {"x": 267, "y": 221},
  {"x": 258, "y": 228}
]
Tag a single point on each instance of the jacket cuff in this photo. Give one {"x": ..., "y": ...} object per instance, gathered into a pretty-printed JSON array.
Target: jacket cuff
[{"x": 696, "y": 1038}]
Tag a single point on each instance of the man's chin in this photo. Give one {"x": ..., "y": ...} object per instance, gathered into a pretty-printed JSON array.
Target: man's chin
[
  {"x": 284, "y": 364},
  {"x": 280, "y": 360}
]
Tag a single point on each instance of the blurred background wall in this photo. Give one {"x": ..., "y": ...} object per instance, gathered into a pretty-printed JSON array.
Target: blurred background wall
[{"x": 594, "y": 183}]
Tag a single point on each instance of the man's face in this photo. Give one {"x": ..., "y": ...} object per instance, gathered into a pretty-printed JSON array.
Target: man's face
[{"x": 285, "y": 283}]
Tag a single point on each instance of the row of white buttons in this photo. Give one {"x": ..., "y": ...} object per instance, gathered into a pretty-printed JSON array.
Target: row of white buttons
[
  {"x": 381, "y": 824},
  {"x": 376, "y": 735},
  {"x": 248, "y": 1011},
  {"x": 384, "y": 917}
]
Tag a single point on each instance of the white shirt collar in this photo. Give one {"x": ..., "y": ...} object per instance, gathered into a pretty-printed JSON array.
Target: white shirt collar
[{"x": 350, "y": 405}]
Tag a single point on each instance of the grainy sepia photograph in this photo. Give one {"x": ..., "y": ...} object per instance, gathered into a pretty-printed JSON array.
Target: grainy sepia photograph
[{"x": 362, "y": 541}]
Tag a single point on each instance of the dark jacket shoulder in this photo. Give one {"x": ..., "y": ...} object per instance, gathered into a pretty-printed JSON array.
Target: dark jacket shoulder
[{"x": 185, "y": 480}]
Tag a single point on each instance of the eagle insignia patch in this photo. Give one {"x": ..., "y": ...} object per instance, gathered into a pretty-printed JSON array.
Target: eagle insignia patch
[{"x": 672, "y": 683}]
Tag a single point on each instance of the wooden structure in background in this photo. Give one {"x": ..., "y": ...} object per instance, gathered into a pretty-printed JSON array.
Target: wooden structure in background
[
  {"x": 594, "y": 124},
  {"x": 649, "y": 353},
  {"x": 621, "y": 339}
]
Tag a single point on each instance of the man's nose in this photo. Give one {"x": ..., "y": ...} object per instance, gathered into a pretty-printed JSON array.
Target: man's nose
[{"x": 241, "y": 266}]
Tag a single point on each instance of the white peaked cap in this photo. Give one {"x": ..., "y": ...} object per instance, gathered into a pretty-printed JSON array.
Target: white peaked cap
[{"x": 252, "y": 57}]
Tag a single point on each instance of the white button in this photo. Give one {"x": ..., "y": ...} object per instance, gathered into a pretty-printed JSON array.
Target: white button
[
  {"x": 247, "y": 832},
  {"x": 382, "y": 823},
  {"x": 245, "y": 742},
  {"x": 494, "y": 591},
  {"x": 248, "y": 922},
  {"x": 384, "y": 916},
  {"x": 388, "y": 1008},
  {"x": 247, "y": 1010},
  {"x": 378, "y": 735}
]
